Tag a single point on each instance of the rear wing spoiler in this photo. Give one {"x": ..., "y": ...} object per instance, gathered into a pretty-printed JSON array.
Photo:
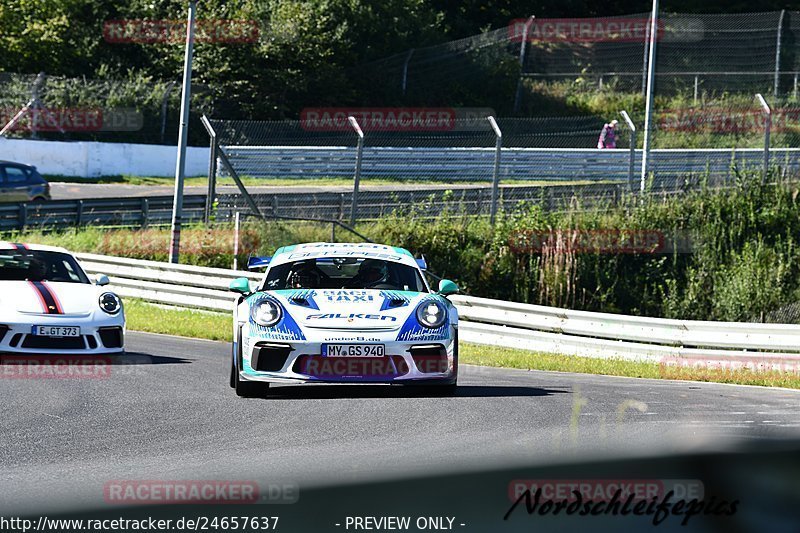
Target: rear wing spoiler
[{"x": 254, "y": 263}]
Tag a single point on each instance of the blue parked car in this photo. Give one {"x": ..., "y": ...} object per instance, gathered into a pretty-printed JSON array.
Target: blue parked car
[{"x": 22, "y": 183}]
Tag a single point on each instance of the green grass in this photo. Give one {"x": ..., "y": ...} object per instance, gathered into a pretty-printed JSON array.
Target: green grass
[
  {"x": 142, "y": 316},
  {"x": 151, "y": 318}
]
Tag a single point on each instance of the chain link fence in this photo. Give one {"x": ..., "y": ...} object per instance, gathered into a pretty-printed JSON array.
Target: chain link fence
[
  {"x": 357, "y": 169},
  {"x": 697, "y": 54},
  {"x": 132, "y": 110}
]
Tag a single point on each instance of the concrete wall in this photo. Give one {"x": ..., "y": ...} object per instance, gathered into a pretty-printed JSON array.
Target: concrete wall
[{"x": 94, "y": 159}]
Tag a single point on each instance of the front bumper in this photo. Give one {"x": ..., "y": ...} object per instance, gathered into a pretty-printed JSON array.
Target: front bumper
[
  {"x": 302, "y": 362},
  {"x": 98, "y": 337}
]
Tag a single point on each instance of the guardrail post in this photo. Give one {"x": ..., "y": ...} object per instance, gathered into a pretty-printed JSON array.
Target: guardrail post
[
  {"x": 357, "y": 175},
  {"x": 631, "y": 164},
  {"x": 767, "y": 127},
  {"x": 496, "y": 174},
  {"x": 212, "y": 168},
  {"x": 79, "y": 215},
  {"x": 23, "y": 216},
  {"x": 145, "y": 212}
]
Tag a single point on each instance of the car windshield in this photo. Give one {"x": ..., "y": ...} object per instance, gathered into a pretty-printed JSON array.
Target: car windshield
[
  {"x": 344, "y": 273},
  {"x": 37, "y": 265}
]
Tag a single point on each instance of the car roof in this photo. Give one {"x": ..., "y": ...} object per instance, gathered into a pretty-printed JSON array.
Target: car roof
[
  {"x": 35, "y": 247},
  {"x": 4, "y": 162},
  {"x": 312, "y": 250}
]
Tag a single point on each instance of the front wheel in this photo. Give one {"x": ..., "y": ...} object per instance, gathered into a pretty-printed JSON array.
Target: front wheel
[{"x": 243, "y": 388}]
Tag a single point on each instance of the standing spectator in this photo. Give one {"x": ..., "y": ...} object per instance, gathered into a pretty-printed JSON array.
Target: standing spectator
[{"x": 608, "y": 136}]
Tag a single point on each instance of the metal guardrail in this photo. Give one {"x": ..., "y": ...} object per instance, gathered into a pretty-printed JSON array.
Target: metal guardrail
[
  {"x": 136, "y": 212},
  {"x": 498, "y": 323},
  {"x": 476, "y": 164},
  {"x": 157, "y": 210}
]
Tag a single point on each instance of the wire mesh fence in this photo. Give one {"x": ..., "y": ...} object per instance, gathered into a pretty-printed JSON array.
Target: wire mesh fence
[
  {"x": 135, "y": 109},
  {"x": 361, "y": 169},
  {"x": 696, "y": 54}
]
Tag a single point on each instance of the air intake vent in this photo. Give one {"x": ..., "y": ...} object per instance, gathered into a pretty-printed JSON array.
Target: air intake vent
[
  {"x": 111, "y": 337},
  {"x": 270, "y": 357}
]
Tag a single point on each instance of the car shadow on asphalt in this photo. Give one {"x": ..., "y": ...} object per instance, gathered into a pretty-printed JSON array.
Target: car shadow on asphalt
[
  {"x": 318, "y": 392},
  {"x": 127, "y": 358}
]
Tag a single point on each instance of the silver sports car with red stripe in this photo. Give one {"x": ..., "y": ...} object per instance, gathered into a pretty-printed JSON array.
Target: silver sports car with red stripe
[{"x": 48, "y": 305}]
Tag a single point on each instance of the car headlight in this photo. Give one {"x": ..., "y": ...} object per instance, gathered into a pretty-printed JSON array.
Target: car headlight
[
  {"x": 431, "y": 314},
  {"x": 110, "y": 303},
  {"x": 266, "y": 312}
]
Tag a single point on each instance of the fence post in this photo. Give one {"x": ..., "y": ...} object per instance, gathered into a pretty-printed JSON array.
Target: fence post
[
  {"x": 212, "y": 169},
  {"x": 357, "y": 175},
  {"x": 696, "y": 83},
  {"x": 405, "y": 70},
  {"x": 768, "y": 126},
  {"x": 651, "y": 70},
  {"x": 523, "y": 45},
  {"x": 778, "y": 54},
  {"x": 164, "y": 101},
  {"x": 496, "y": 174},
  {"x": 644, "y": 60},
  {"x": 631, "y": 166},
  {"x": 794, "y": 91},
  {"x": 236, "y": 219}
]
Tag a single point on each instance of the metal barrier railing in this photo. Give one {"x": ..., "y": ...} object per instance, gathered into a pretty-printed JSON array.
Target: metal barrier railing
[{"x": 496, "y": 322}]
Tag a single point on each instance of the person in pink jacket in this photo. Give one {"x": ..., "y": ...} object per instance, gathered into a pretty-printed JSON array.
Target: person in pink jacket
[{"x": 608, "y": 136}]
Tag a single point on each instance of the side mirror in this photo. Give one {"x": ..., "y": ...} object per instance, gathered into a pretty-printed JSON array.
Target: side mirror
[
  {"x": 240, "y": 285},
  {"x": 447, "y": 287},
  {"x": 101, "y": 279}
]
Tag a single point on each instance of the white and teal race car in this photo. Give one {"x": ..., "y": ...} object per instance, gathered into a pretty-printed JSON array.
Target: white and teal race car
[{"x": 343, "y": 313}]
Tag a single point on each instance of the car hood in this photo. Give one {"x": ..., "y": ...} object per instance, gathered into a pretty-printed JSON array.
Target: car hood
[
  {"x": 77, "y": 299},
  {"x": 368, "y": 309}
]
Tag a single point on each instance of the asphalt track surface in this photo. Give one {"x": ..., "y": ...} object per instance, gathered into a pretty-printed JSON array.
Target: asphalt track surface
[{"x": 165, "y": 411}]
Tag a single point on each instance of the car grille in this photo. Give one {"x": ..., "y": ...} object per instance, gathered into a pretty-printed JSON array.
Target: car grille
[
  {"x": 111, "y": 337},
  {"x": 54, "y": 343}
]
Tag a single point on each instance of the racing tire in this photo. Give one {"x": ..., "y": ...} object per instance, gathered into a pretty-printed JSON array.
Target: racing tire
[
  {"x": 244, "y": 388},
  {"x": 250, "y": 389}
]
